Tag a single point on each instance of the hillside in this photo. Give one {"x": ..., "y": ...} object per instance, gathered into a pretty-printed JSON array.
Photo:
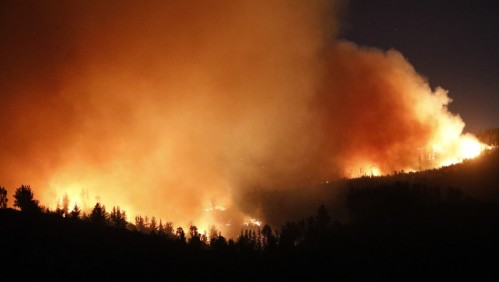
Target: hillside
[
  {"x": 438, "y": 224},
  {"x": 477, "y": 178}
]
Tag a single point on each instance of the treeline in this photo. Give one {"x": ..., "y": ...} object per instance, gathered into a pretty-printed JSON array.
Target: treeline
[
  {"x": 252, "y": 238},
  {"x": 25, "y": 201},
  {"x": 489, "y": 136},
  {"x": 396, "y": 231}
]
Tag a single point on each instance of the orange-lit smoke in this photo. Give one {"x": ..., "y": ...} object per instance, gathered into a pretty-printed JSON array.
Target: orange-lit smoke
[
  {"x": 381, "y": 116},
  {"x": 170, "y": 108}
]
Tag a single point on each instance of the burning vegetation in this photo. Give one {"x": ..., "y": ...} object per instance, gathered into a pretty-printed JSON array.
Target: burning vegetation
[{"x": 178, "y": 109}]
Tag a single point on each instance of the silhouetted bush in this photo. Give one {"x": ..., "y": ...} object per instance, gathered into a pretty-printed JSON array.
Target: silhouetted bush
[{"x": 25, "y": 201}]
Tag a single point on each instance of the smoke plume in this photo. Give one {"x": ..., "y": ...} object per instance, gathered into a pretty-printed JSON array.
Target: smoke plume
[{"x": 169, "y": 108}]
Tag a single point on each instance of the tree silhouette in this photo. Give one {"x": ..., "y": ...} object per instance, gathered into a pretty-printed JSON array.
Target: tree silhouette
[
  {"x": 213, "y": 233},
  {"x": 219, "y": 243},
  {"x": 118, "y": 217},
  {"x": 24, "y": 200},
  {"x": 99, "y": 215},
  {"x": 244, "y": 242},
  {"x": 75, "y": 212},
  {"x": 290, "y": 234},
  {"x": 193, "y": 231},
  {"x": 161, "y": 228},
  {"x": 194, "y": 239},
  {"x": 269, "y": 239},
  {"x": 180, "y": 234},
  {"x": 63, "y": 206},
  {"x": 139, "y": 223},
  {"x": 323, "y": 217},
  {"x": 153, "y": 225},
  {"x": 169, "y": 230},
  {"x": 3, "y": 198},
  {"x": 204, "y": 239}
]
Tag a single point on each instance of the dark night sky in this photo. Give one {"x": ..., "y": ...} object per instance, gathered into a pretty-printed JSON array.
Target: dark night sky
[{"x": 454, "y": 44}]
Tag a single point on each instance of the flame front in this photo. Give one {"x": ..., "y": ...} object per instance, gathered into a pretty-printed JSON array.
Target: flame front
[{"x": 390, "y": 120}]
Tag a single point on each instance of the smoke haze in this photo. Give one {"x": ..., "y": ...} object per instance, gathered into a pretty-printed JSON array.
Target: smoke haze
[{"x": 168, "y": 108}]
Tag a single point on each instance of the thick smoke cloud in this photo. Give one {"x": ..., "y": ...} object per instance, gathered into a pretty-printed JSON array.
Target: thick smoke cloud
[
  {"x": 380, "y": 115},
  {"x": 168, "y": 108}
]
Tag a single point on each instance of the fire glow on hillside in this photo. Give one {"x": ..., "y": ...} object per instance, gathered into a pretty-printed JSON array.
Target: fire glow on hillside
[{"x": 175, "y": 109}]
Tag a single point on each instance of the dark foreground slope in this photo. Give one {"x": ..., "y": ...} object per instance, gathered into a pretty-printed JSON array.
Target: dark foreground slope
[
  {"x": 48, "y": 247},
  {"x": 477, "y": 178},
  {"x": 440, "y": 241},
  {"x": 403, "y": 227}
]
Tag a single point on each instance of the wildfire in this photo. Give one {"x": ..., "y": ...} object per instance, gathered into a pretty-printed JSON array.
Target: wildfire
[
  {"x": 375, "y": 171},
  {"x": 470, "y": 148},
  {"x": 210, "y": 107},
  {"x": 443, "y": 152},
  {"x": 251, "y": 221},
  {"x": 216, "y": 208},
  {"x": 70, "y": 196},
  {"x": 449, "y": 152}
]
